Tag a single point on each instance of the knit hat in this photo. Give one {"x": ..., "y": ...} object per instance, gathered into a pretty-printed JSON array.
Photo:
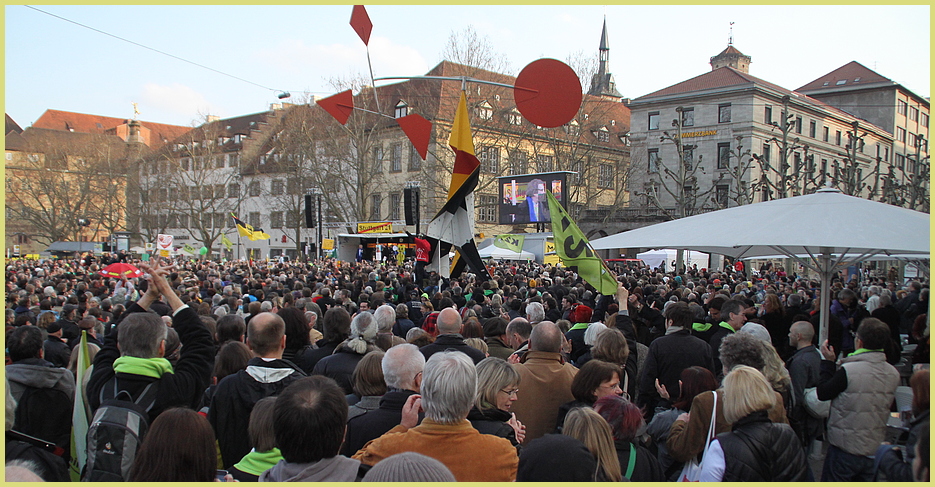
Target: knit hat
[
  {"x": 581, "y": 314},
  {"x": 363, "y": 331},
  {"x": 556, "y": 458},
  {"x": 409, "y": 467},
  {"x": 53, "y": 327}
]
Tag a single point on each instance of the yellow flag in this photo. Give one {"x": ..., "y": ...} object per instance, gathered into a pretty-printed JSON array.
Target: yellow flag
[{"x": 575, "y": 250}]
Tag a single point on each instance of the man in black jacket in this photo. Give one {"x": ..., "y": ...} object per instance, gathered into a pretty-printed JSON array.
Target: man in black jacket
[
  {"x": 266, "y": 375},
  {"x": 139, "y": 361},
  {"x": 402, "y": 371},
  {"x": 449, "y": 337},
  {"x": 55, "y": 349}
]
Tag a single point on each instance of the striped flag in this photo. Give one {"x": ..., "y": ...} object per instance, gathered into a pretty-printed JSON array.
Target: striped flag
[
  {"x": 247, "y": 230},
  {"x": 80, "y": 420}
]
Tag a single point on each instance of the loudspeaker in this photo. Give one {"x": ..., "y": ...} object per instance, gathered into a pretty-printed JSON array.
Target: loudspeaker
[
  {"x": 309, "y": 219},
  {"x": 411, "y": 205}
]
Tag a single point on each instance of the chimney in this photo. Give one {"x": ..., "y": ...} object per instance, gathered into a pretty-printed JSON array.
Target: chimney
[{"x": 212, "y": 118}]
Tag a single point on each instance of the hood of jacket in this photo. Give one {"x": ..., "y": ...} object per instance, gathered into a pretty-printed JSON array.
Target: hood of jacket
[
  {"x": 267, "y": 378},
  {"x": 41, "y": 374},
  {"x": 335, "y": 469}
]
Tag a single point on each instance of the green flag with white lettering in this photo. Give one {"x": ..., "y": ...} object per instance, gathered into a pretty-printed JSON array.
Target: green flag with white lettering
[
  {"x": 575, "y": 250},
  {"x": 510, "y": 242}
]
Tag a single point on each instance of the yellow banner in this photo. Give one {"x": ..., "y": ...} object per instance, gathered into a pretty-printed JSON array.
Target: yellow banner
[
  {"x": 375, "y": 227},
  {"x": 549, "y": 246},
  {"x": 327, "y": 243}
]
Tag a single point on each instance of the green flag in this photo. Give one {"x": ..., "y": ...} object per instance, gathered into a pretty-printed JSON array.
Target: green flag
[
  {"x": 227, "y": 242},
  {"x": 510, "y": 242},
  {"x": 189, "y": 249},
  {"x": 575, "y": 250}
]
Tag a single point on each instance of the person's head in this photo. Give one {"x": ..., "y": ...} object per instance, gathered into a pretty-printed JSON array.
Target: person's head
[
  {"x": 409, "y": 467},
  {"x": 296, "y": 328},
  {"x": 24, "y": 342},
  {"x": 449, "y": 321},
  {"x": 402, "y": 311},
  {"x": 266, "y": 335},
  {"x": 714, "y": 307},
  {"x": 497, "y": 384},
  {"x": 22, "y": 471},
  {"x": 385, "y": 317},
  {"x": 518, "y": 331},
  {"x": 336, "y": 324},
  {"x": 363, "y": 332},
  {"x": 142, "y": 335},
  {"x": 679, "y": 314},
  {"x": 588, "y": 427},
  {"x": 309, "y": 419},
  {"x": 596, "y": 379},
  {"x": 495, "y": 326},
  {"x": 919, "y": 382},
  {"x": 471, "y": 328},
  {"x": 746, "y": 391},
  {"x": 847, "y": 297},
  {"x": 693, "y": 381},
  {"x": 556, "y": 458},
  {"x": 367, "y": 378},
  {"x": 260, "y": 428},
  {"x": 732, "y": 311},
  {"x": 179, "y": 447},
  {"x": 545, "y": 337},
  {"x": 801, "y": 334},
  {"x": 872, "y": 334},
  {"x": 741, "y": 349},
  {"x": 611, "y": 346},
  {"x": 230, "y": 327},
  {"x": 921, "y": 464},
  {"x": 535, "y": 313},
  {"x": 591, "y": 332},
  {"x": 449, "y": 386},
  {"x": 231, "y": 358},
  {"x": 624, "y": 417},
  {"x": 402, "y": 367}
]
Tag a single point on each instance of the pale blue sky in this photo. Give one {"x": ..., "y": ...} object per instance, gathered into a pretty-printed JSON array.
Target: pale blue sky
[{"x": 54, "y": 64}]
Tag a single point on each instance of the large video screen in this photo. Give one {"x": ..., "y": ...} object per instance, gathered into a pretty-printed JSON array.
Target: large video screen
[{"x": 523, "y": 199}]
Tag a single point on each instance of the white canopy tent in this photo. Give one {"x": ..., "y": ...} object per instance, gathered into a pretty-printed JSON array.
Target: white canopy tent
[
  {"x": 653, "y": 258},
  {"x": 830, "y": 228},
  {"x": 497, "y": 253}
]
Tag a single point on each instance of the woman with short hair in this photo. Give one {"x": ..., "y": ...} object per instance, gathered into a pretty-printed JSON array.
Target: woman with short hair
[
  {"x": 179, "y": 447},
  {"x": 497, "y": 388},
  {"x": 593, "y": 381},
  {"x": 756, "y": 449}
]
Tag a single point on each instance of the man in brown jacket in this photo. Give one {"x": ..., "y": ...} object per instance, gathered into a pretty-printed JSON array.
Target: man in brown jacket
[{"x": 545, "y": 381}]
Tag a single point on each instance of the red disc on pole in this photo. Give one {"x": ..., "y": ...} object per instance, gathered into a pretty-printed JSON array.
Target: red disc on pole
[{"x": 547, "y": 93}]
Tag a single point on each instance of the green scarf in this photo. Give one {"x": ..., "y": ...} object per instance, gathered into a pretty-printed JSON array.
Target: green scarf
[
  {"x": 724, "y": 324},
  {"x": 862, "y": 350},
  {"x": 579, "y": 326},
  {"x": 702, "y": 326},
  {"x": 150, "y": 367},
  {"x": 255, "y": 463}
]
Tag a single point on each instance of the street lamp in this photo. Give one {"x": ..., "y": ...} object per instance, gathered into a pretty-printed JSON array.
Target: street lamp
[{"x": 317, "y": 193}]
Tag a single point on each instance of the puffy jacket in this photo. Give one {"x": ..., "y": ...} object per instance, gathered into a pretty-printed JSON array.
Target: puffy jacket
[{"x": 757, "y": 450}]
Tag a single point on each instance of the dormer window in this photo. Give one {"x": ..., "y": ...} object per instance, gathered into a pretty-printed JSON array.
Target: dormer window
[
  {"x": 602, "y": 134},
  {"x": 238, "y": 138},
  {"x": 573, "y": 128},
  {"x": 841, "y": 82},
  {"x": 484, "y": 111},
  {"x": 401, "y": 110},
  {"x": 515, "y": 117}
]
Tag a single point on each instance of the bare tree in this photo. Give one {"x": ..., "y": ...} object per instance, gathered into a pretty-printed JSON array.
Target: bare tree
[{"x": 469, "y": 48}]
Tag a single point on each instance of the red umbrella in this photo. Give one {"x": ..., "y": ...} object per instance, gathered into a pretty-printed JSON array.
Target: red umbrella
[{"x": 121, "y": 269}]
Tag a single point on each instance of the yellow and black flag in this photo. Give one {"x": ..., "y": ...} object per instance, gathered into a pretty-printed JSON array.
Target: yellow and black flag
[{"x": 246, "y": 230}]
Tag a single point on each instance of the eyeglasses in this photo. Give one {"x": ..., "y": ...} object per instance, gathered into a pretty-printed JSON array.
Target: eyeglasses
[{"x": 511, "y": 392}]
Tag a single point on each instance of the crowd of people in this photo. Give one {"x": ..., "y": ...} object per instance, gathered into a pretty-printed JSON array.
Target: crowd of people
[{"x": 337, "y": 371}]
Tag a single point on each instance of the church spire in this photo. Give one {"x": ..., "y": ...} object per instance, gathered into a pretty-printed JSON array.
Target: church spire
[{"x": 602, "y": 83}]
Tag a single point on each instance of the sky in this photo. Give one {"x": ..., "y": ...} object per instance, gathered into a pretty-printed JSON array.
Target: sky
[{"x": 55, "y": 64}]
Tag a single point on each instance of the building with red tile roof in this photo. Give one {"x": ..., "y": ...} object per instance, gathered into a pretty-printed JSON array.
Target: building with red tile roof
[{"x": 150, "y": 133}]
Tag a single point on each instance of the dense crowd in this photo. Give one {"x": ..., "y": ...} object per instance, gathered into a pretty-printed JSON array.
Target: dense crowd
[{"x": 336, "y": 371}]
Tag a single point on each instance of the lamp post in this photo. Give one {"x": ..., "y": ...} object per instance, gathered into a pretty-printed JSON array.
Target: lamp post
[
  {"x": 415, "y": 187},
  {"x": 317, "y": 193}
]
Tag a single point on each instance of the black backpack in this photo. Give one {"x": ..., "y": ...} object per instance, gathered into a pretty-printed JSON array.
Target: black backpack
[{"x": 116, "y": 432}]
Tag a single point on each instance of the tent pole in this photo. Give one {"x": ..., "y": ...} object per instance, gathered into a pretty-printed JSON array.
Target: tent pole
[{"x": 824, "y": 265}]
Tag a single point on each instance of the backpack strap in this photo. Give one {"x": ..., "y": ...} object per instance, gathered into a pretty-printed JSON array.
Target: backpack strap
[
  {"x": 146, "y": 399},
  {"x": 631, "y": 464}
]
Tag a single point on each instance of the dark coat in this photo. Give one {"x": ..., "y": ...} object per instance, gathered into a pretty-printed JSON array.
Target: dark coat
[
  {"x": 578, "y": 347},
  {"x": 56, "y": 351},
  {"x": 493, "y": 422},
  {"x": 308, "y": 358},
  {"x": 402, "y": 326},
  {"x": 235, "y": 397},
  {"x": 563, "y": 411},
  {"x": 668, "y": 356},
  {"x": 453, "y": 341},
  {"x": 373, "y": 424},
  {"x": 182, "y": 388},
  {"x": 496, "y": 348},
  {"x": 339, "y": 366},
  {"x": 757, "y": 450},
  {"x": 647, "y": 468},
  {"x": 715, "y": 343}
]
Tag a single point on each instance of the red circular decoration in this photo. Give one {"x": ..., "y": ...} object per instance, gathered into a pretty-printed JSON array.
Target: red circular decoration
[{"x": 547, "y": 93}]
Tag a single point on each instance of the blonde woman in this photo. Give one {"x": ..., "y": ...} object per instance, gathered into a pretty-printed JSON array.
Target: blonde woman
[
  {"x": 756, "y": 449},
  {"x": 587, "y": 426},
  {"x": 497, "y": 388}
]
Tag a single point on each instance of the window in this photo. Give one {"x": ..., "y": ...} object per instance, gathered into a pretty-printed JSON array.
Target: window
[
  {"x": 378, "y": 159},
  {"x": 886, "y": 154},
  {"x": 837, "y": 137},
  {"x": 484, "y": 111},
  {"x": 688, "y": 117},
  {"x": 810, "y": 165},
  {"x": 605, "y": 176},
  {"x": 653, "y": 120},
  {"x": 489, "y": 160},
  {"x": 812, "y": 129},
  {"x": 276, "y": 187},
  {"x": 722, "y": 195},
  {"x": 796, "y": 163},
  {"x": 924, "y": 119},
  {"x": 394, "y": 206},
  {"x": 234, "y": 160},
  {"x": 723, "y": 155},
  {"x": 515, "y": 117},
  {"x": 901, "y": 134},
  {"x": 519, "y": 162},
  {"x": 824, "y": 134},
  {"x": 185, "y": 163},
  {"x": 577, "y": 178},
  {"x": 798, "y": 125},
  {"x": 487, "y": 208},
  {"x": 653, "y": 160},
  {"x": 723, "y": 113},
  {"x": 573, "y": 128},
  {"x": 295, "y": 219},
  {"x": 376, "y": 201},
  {"x": 901, "y": 107},
  {"x": 233, "y": 190},
  {"x": 544, "y": 163},
  {"x": 688, "y": 153},
  {"x": 183, "y": 221},
  {"x": 275, "y": 219},
  {"x": 768, "y": 114},
  {"x": 841, "y": 82},
  {"x": 254, "y": 188},
  {"x": 415, "y": 160},
  {"x": 602, "y": 134},
  {"x": 900, "y": 161},
  {"x": 253, "y": 219},
  {"x": 292, "y": 186},
  {"x": 765, "y": 157},
  {"x": 401, "y": 109},
  {"x": 218, "y": 191},
  {"x": 396, "y": 163},
  {"x": 824, "y": 170},
  {"x": 914, "y": 114}
]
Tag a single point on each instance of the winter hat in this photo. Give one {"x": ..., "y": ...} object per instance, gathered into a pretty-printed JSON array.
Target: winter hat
[
  {"x": 53, "y": 327},
  {"x": 581, "y": 314},
  {"x": 757, "y": 330},
  {"x": 409, "y": 467},
  {"x": 363, "y": 331},
  {"x": 556, "y": 458}
]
